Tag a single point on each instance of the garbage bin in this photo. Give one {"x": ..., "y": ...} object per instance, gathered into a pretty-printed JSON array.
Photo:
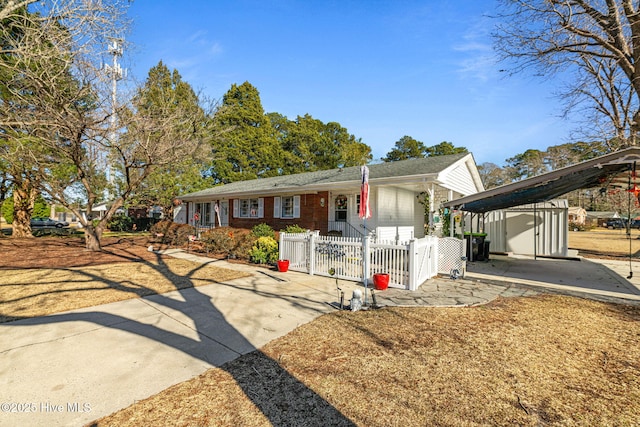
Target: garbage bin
[
  {"x": 485, "y": 250},
  {"x": 475, "y": 246}
]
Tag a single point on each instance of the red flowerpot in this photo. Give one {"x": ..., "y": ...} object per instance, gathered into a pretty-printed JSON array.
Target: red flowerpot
[
  {"x": 381, "y": 281},
  {"x": 283, "y": 265}
]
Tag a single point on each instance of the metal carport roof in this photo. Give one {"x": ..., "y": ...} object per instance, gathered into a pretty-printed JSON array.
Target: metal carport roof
[{"x": 598, "y": 172}]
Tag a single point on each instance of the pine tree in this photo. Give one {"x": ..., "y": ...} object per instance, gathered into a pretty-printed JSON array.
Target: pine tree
[{"x": 247, "y": 147}]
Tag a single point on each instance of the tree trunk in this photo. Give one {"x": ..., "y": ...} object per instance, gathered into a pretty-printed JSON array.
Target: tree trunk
[
  {"x": 92, "y": 236},
  {"x": 24, "y": 198}
]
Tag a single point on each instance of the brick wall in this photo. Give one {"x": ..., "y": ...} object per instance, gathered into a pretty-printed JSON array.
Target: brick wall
[{"x": 312, "y": 215}]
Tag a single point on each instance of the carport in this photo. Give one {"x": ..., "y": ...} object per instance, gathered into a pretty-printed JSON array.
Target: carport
[{"x": 611, "y": 170}]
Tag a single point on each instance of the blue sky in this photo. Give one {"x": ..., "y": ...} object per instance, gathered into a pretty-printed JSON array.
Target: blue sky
[{"x": 382, "y": 69}]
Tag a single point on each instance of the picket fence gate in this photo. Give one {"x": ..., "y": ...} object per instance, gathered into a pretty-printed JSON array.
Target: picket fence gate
[{"x": 409, "y": 263}]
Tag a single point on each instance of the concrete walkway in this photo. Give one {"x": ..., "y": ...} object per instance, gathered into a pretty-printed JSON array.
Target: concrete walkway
[
  {"x": 71, "y": 368},
  {"x": 601, "y": 279}
]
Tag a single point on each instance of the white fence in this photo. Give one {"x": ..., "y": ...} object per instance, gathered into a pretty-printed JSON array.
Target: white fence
[{"x": 408, "y": 264}]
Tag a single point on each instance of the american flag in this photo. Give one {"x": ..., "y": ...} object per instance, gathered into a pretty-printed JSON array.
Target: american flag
[
  {"x": 216, "y": 208},
  {"x": 365, "y": 212}
]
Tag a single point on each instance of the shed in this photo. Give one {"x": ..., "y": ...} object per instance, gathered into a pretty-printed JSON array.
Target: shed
[
  {"x": 531, "y": 229},
  {"x": 614, "y": 170}
]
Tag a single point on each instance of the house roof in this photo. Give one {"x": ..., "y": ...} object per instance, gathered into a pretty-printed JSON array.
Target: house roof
[
  {"x": 610, "y": 169},
  {"x": 400, "y": 172},
  {"x": 603, "y": 214},
  {"x": 577, "y": 210}
]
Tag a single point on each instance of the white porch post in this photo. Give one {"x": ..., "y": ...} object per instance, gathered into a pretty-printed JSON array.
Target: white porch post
[
  {"x": 432, "y": 206},
  {"x": 452, "y": 225}
]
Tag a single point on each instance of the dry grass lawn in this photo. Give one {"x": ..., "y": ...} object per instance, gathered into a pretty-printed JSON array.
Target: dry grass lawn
[
  {"x": 546, "y": 360},
  {"x": 602, "y": 242},
  {"x": 41, "y": 291}
]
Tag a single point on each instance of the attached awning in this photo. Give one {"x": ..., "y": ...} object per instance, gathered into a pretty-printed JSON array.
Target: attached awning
[{"x": 601, "y": 172}]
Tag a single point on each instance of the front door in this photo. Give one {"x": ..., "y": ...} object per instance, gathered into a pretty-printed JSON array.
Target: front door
[{"x": 224, "y": 213}]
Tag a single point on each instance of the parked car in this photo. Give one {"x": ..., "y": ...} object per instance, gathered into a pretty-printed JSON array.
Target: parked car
[
  {"x": 615, "y": 223},
  {"x": 635, "y": 223},
  {"x": 48, "y": 222}
]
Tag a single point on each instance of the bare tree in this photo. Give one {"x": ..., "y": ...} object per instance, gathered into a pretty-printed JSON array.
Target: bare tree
[
  {"x": 597, "y": 41},
  {"x": 492, "y": 175},
  {"x": 60, "y": 120},
  {"x": 50, "y": 64}
]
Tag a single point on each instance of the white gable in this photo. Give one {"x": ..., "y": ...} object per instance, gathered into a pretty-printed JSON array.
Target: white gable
[{"x": 462, "y": 177}]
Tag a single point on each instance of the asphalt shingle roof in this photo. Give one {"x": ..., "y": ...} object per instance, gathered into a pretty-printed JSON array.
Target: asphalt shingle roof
[{"x": 411, "y": 167}]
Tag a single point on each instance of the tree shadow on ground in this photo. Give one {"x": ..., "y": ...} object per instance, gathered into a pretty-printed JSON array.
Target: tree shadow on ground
[{"x": 281, "y": 397}]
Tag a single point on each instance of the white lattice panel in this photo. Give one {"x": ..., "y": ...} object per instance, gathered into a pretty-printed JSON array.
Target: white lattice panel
[{"x": 451, "y": 256}]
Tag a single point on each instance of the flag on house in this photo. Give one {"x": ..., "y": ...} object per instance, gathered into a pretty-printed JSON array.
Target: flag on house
[
  {"x": 217, "y": 209},
  {"x": 365, "y": 211}
]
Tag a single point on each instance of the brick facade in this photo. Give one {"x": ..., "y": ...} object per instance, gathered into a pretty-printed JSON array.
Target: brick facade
[{"x": 313, "y": 215}]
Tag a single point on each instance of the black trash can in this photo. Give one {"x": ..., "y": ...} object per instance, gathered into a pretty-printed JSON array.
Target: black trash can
[
  {"x": 485, "y": 250},
  {"x": 475, "y": 246}
]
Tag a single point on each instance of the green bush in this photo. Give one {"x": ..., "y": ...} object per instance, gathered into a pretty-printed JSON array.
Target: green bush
[
  {"x": 120, "y": 223},
  {"x": 265, "y": 251},
  {"x": 295, "y": 228},
  {"x": 263, "y": 230},
  {"x": 7, "y": 210},
  {"x": 40, "y": 209}
]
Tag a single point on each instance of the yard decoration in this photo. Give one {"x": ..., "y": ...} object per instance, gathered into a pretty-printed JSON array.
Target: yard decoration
[
  {"x": 356, "y": 300},
  {"x": 332, "y": 272}
]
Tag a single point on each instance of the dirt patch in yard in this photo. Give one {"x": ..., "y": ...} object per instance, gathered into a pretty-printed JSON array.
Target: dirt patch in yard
[{"x": 61, "y": 252}]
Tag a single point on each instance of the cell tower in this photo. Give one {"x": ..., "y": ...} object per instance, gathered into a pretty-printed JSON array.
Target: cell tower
[{"x": 116, "y": 73}]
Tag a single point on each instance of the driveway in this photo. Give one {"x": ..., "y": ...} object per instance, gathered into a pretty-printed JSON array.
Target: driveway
[{"x": 594, "y": 278}]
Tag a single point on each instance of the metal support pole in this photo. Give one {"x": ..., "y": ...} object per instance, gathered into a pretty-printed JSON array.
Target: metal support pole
[{"x": 535, "y": 232}]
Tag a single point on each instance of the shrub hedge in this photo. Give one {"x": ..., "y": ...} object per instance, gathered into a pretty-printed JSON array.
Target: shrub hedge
[
  {"x": 172, "y": 233},
  {"x": 260, "y": 245}
]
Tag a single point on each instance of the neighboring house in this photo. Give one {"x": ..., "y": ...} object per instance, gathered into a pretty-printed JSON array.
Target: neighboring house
[
  {"x": 598, "y": 218},
  {"x": 577, "y": 215},
  {"x": 329, "y": 200},
  {"x": 155, "y": 212}
]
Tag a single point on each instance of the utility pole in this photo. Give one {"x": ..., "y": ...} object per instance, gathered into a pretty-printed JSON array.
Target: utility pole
[{"x": 116, "y": 72}]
